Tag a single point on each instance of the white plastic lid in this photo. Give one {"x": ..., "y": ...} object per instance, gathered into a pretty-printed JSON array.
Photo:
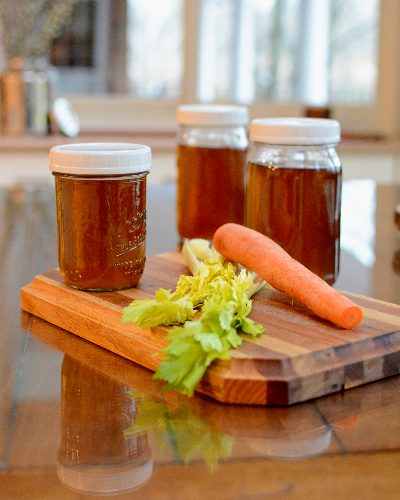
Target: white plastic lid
[
  {"x": 205, "y": 115},
  {"x": 307, "y": 131},
  {"x": 100, "y": 158}
]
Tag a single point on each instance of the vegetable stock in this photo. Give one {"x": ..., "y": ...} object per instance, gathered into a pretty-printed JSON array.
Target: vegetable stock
[
  {"x": 101, "y": 230},
  {"x": 299, "y": 208},
  {"x": 210, "y": 189}
]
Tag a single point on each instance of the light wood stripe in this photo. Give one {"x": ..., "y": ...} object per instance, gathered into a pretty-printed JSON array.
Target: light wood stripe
[
  {"x": 370, "y": 299},
  {"x": 381, "y": 316},
  {"x": 87, "y": 297},
  {"x": 278, "y": 345},
  {"x": 135, "y": 294}
]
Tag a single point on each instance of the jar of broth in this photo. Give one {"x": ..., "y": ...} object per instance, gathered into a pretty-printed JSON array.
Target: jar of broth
[
  {"x": 293, "y": 192},
  {"x": 101, "y": 213},
  {"x": 212, "y": 146}
]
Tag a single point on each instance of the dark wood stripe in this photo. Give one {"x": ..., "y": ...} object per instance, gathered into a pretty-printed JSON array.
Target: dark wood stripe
[
  {"x": 278, "y": 392},
  {"x": 353, "y": 374},
  {"x": 391, "y": 364}
]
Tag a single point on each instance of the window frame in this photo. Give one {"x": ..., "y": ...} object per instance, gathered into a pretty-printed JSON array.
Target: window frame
[{"x": 123, "y": 113}]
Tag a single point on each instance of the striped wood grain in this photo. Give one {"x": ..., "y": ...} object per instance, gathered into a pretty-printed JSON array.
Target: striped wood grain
[{"x": 299, "y": 356}]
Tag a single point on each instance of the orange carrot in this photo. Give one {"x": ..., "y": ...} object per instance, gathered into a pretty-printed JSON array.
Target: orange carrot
[{"x": 271, "y": 262}]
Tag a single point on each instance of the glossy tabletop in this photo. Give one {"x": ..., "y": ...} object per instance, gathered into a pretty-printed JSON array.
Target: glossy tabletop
[{"x": 76, "y": 419}]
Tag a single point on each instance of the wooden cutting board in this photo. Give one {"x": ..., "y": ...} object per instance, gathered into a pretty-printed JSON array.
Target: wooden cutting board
[{"x": 299, "y": 357}]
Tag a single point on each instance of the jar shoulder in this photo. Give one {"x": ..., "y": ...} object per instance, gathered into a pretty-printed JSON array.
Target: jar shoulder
[
  {"x": 213, "y": 137},
  {"x": 294, "y": 156}
]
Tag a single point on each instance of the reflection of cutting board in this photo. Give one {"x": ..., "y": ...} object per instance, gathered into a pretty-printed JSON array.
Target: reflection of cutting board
[{"x": 299, "y": 357}]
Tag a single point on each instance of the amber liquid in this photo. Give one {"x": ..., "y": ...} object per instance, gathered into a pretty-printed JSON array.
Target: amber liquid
[
  {"x": 299, "y": 208},
  {"x": 95, "y": 411},
  {"x": 210, "y": 189},
  {"x": 101, "y": 231}
]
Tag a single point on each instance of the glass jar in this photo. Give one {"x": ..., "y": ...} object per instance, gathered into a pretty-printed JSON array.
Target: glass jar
[
  {"x": 211, "y": 158},
  {"x": 293, "y": 192},
  {"x": 101, "y": 213}
]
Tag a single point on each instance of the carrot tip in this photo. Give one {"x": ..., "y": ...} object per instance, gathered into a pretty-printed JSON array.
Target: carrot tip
[{"x": 352, "y": 317}]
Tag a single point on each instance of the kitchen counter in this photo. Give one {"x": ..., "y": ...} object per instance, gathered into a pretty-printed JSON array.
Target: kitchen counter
[{"x": 76, "y": 419}]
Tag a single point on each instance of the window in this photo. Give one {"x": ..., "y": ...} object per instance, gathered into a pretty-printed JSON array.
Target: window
[
  {"x": 353, "y": 54},
  {"x": 154, "y": 55},
  {"x": 274, "y": 55},
  {"x": 122, "y": 46},
  {"x": 312, "y": 51}
]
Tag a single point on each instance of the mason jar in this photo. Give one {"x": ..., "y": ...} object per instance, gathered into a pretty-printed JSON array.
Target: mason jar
[
  {"x": 211, "y": 158},
  {"x": 101, "y": 213},
  {"x": 293, "y": 192}
]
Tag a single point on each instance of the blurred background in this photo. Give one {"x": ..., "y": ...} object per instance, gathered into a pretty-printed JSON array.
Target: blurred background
[
  {"x": 124, "y": 65},
  {"x": 317, "y": 51}
]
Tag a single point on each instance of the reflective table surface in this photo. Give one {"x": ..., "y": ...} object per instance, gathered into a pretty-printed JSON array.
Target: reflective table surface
[{"x": 77, "y": 420}]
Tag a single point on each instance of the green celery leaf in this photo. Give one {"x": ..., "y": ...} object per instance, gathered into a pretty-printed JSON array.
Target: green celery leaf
[
  {"x": 223, "y": 297},
  {"x": 234, "y": 338},
  {"x": 210, "y": 341},
  {"x": 248, "y": 326},
  {"x": 163, "y": 310}
]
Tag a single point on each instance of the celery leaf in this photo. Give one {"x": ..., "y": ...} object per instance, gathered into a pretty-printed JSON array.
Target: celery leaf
[{"x": 222, "y": 295}]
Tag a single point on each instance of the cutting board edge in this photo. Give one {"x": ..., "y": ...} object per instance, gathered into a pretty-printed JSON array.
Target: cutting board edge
[
  {"x": 31, "y": 302},
  {"x": 219, "y": 383}
]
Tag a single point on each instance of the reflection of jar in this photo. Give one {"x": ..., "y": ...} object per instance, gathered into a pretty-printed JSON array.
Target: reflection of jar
[
  {"x": 294, "y": 189},
  {"x": 283, "y": 433},
  {"x": 212, "y": 144},
  {"x": 101, "y": 213},
  {"x": 95, "y": 455}
]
